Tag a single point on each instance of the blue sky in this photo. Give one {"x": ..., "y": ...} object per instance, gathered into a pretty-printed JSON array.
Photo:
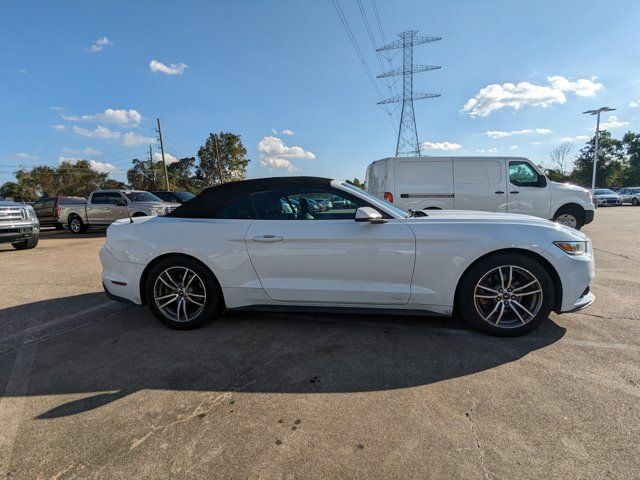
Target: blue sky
[{"x": 76, "y": 79}]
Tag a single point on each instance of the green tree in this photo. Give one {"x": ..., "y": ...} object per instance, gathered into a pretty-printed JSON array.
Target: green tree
[
  {"x": 356, "y": 183},
  {"x": 631, "y": 142},
  {"x": 232, "y": 159},
  {"x": 145, "y": 176},
  {"x": 10, "y": 189},
  {"x": 611, "y": 162},
  {"x": 182, "y": 175}
]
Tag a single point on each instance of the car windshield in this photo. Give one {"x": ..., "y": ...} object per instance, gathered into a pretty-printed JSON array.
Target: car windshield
[
  {"x": 142, "y": 197},
  {"x": 604, "y": 191},
  {"x": 377, "y": 200},
  {"x": 185, "y": 196}
]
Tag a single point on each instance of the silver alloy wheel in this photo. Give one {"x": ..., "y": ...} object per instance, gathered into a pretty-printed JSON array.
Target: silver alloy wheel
[
  {"x": 75, "y": 225},
  {"x": 180, "y": 294},
  {"x": 567, "y": 220},
  {"x": 508, "y": 296}
]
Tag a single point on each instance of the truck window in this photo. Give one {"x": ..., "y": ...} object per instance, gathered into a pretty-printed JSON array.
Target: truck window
[
  {"x": 115, "y": 197},
  {"x": 100, "y": 197},
  {"x": 522, "y": 174}
]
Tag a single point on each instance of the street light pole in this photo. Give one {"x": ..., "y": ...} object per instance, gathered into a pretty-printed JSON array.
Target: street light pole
[{"x": 595, "y": 146}]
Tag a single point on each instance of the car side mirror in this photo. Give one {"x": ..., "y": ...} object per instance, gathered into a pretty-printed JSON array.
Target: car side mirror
[
  {"x": 542, "y": 181},
  {"x": 368, "y": 214}
]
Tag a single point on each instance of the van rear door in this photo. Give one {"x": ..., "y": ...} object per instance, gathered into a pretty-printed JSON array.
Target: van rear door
[
  {"x": 480, "y": 184},
  {"x": 424, "y": 183},
  {"x": 376, "y": 179}
]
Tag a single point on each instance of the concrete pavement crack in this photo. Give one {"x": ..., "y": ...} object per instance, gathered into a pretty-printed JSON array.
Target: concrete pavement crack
[{"x": 479, "y": 447}]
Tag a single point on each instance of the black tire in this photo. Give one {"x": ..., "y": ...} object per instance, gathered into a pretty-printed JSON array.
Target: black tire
[
  {"x": 635, "y": 202},
  {"x": 27, "y": 244},
  {"x": 212, "y": 303},
  {"x": 510, "y": 325},
  {"x": 570, "y": 212},
  {"x": 76, "y": 225}
]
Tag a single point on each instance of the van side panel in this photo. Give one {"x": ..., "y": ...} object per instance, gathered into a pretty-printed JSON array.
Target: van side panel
[
  {"x": 480, "y": 184},
  {"x": 424, "y": 183}
]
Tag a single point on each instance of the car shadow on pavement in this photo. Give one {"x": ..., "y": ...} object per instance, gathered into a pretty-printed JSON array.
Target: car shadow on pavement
[{"x": 128, "y": 351}]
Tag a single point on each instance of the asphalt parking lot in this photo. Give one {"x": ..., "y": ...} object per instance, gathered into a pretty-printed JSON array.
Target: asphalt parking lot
[{"x": 96, "y": 389}]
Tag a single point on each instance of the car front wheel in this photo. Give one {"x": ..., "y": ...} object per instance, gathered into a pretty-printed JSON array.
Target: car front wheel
[
  {"x": 182, "y": 293},
  {"x": 635, "y": 202},
  {"x": 506, "y": 295},
  {"x": 30, "y": 242},
  {"x": 569, "y": 217}
]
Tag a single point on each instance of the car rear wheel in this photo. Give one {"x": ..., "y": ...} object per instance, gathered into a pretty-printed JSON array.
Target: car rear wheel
[
  {"x": 76, "y": 225},
  {"x": 570, "y": 217},
  {"x": 635, "y": 202},
  {"x": 182, "y": 293},
  {"x": 30, "y": 242},
  {"x": 506, "y": 295}
]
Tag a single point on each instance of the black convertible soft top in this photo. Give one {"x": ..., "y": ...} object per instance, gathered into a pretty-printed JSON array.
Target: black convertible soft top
[{"x": 213, "y": 200}]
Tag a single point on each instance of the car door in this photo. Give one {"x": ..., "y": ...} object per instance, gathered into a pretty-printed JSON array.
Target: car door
[
  {"x": 527, "y": 190},
  {"x": 305, "y": 256},
  {"x": 480, "y": 184},
  {"x": 117, "y": 207},
  {"x": 98, "y": 208}
]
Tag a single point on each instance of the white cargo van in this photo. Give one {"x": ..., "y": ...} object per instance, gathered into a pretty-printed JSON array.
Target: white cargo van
[{"x": 493, "y": 184}]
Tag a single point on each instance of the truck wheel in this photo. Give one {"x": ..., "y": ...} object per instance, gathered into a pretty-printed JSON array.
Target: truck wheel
[
  {"x": 569, "y": 217},
  {"x": 30, "y": 242},
  {"x": 182, "y": 293},
  {"x": 506, "y": 295},
  {"x": 76, "y": 225}
]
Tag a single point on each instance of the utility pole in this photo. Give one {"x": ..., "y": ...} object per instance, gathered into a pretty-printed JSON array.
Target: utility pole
[
  {"x": 151, "y": 167},
  {"x": 407, "y": 144},
  {"x": 215, "y": 141},
  {"x": 164, "y": 164}
]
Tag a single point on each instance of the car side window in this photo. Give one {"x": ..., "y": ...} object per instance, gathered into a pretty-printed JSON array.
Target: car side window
[
  {"x": 114, "y": 198},
  {"x": 239, "y": 208},
  {"x": 304, "y": 204},
  {"x": 100, "y": 198},
  {"x": 522, "y": 174}
]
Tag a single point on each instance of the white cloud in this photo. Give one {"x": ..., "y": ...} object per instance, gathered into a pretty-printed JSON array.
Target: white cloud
[
  {"x": 25, "y": 156},
  {"x": 537, "y": 143},
  {"x": 22, "y": 71},
  {"x": 635, "y": 104},
  {"x": 274, "y": 153},
  {"x": 173, "y": 69},
  {"x": 118, "y": 116},
  {"x": 575, "y": 139},
  {"x": 157, "y": 156},
  {"x": 613, "y": 122},
  {"x": 440, "y": 146},
  {"x": 497, "y": 96},
  {"x": 514, "y": 147},
  {"x": 86, "y": 151},
  {"x": 130, "y": 139},
  {"x": 287, "y": 132},
  {"x": 487, "y": 150},
  {"x": 99, "y": 44},
  {"x": 58, "y": 127},
  {"x": 499, "y": 134},
  {"x": 274, "y": 131},
  {"x": 101, "y": 167}
]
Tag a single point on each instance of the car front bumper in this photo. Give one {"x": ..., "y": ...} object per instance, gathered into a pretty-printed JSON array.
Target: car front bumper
[
  {"x": 121, "y": 280},
  {"x": 18, "y": 231}
]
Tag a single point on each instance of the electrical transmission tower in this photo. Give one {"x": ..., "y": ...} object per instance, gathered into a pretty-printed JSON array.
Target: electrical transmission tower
[{"x": 408, "y": 144}]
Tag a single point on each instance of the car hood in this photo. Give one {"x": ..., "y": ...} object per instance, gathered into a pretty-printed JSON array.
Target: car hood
[
  {"x": 155, "y": 204},
  {"x": 496, "y": 218}
]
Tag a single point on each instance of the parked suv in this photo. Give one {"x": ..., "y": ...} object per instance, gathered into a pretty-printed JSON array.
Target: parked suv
[
  {"x": 106, "y": 206},
  {"x": 175, "y": 197},
  {"x": 492, "y": 184},
  {"x": 18, "y": 225},
  {"x": 48, "y": 209}
]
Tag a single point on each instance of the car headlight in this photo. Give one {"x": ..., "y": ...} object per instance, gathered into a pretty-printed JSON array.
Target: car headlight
[
  {"x": 160, "y": 210},
  {"x": 31, "y": 213},
  {"x": 573, "y": 248}
]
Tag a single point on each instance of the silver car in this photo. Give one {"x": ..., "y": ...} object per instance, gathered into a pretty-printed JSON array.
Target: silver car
[
  {"x": 606, "y": 198},
  {"x": 630, "y": 195}
]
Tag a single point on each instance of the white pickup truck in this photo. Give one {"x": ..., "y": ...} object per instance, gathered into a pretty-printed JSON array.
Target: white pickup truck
[
  {"x": 491, "y": 184},
  {"x": 106, "y": 206}
]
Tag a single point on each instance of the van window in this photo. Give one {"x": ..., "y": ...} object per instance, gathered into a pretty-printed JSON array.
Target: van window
[
  {"x": 522, "y": 174},
  {"x": 376, "y": 176},
  {"x": 477, "y": 171}
]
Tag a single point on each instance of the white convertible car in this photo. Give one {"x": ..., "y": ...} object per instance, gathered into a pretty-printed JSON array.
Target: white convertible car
[{"x": 257, "y": 244}]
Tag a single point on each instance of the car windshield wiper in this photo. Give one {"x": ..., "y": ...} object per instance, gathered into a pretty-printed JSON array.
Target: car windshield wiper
[{"x": 417, "y": 213}]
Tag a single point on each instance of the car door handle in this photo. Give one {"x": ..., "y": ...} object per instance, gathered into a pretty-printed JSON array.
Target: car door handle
[
  {"x": 268, "y": 238},
  {"x": 499, "y": 192},
  {"x": 515, "y": 191}
]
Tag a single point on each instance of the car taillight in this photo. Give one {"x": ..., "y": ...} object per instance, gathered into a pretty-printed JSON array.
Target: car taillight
[{"x": 388, "y": 196}]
